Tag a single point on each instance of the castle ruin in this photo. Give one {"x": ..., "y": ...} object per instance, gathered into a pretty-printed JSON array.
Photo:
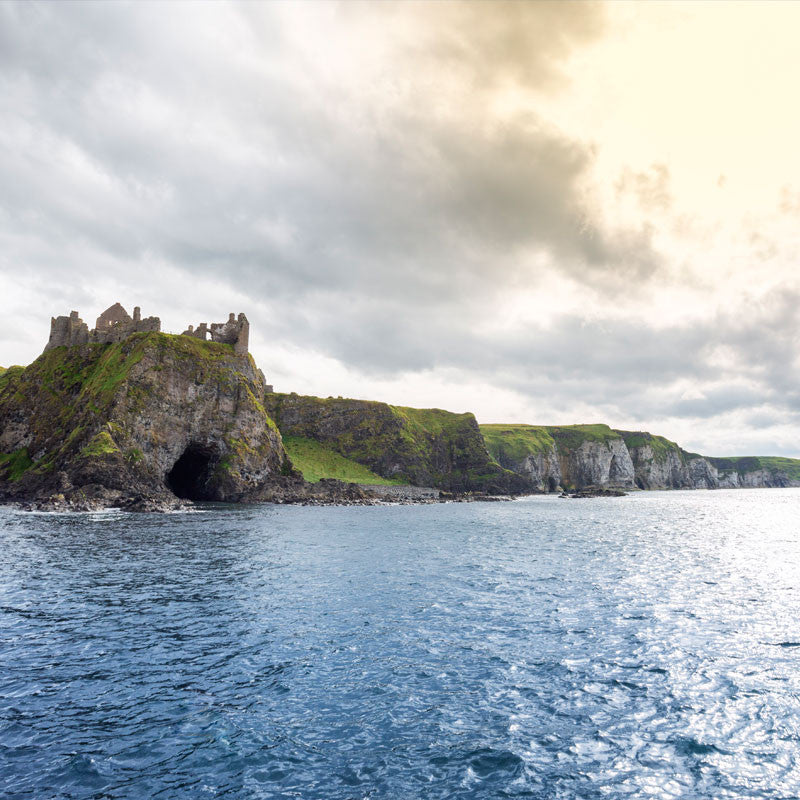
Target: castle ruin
[
  {"x": 115, "y": 324},
  {"x": 235, "y": 331}
]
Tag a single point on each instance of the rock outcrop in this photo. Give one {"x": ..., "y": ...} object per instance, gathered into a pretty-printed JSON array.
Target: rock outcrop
[
  {"x": 423, "y": 447},
  {"x": 145, "y": 420},
  {"x": 662, "y": 464},
  {"x": 604, "y": 462}
]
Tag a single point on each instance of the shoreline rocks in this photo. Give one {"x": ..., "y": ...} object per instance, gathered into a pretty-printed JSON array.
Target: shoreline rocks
[{"x": 594, "y": 491}]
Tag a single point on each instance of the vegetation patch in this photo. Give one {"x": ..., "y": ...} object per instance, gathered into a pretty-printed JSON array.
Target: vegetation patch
[
  {"x": 15, "y": 464},
  {"x": 660, "y": 446},
  {"x": 316, "y": 461},
  {"x": 512, "y": 444},
  {"x": 134, "y": 455},
  {"x": 101, "y": 445},
  {"x": 8, "y": 374},
  {"x": 184, "y": 347},
  {"x": 571, "y": 437},
  {"x": 789, "y": 466},
  {"x": 418, "y": 446}
]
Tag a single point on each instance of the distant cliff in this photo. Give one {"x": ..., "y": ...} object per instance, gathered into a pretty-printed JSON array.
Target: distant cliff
[
  {"x": 576, "y": 456},
  {"x": 422, "y": 447}
]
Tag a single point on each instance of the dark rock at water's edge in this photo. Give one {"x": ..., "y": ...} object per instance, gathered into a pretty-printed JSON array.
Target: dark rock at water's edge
[{"x": 594, "y": 491}]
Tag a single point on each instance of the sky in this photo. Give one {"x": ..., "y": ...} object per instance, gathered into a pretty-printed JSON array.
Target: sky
[{"x": 548, "y": 213}]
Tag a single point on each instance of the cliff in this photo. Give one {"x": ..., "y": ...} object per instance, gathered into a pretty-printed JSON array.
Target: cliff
[
  {"x": 662, "y": 464},
  {"x": 422, "y": 447},
  {"x": 576, "y": 456},
  {"x": 568, "y": 456},
  {"x": 138, "y": 423},
  {"x": 153, "y": 419}
]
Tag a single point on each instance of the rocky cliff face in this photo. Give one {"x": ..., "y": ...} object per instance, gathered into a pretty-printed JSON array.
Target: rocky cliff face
[
  {"x": 596, "y": 463},
  {"x": 543, "y": 469},
  {"x": 662, "y": 464},
  {"x": 144, "y": 420},
  {"x": 553, "y": 457},
  {"x": 424, "y": 447},
  {"x": 577, "y": 456}
]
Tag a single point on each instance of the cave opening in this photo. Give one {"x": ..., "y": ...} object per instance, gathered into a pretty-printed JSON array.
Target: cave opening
[{"x": 190, "y": 477}]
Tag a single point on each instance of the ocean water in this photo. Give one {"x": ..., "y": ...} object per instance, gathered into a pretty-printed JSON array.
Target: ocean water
[{"x": 640, "y": 647}]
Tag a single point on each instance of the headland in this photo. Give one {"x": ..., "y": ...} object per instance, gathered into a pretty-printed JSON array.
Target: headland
[{"x": 125, "y": 415}]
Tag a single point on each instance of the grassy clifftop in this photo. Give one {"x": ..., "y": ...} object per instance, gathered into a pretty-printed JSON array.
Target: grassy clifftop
[
  {"x": 514, "y": 443},
  {"x": 789, "y": 466},
  {"x": 517, "y": 441},
  {"x": 659, "y": 445},
  {"x": 422, "y": 447},
  {"x": 510, "y": 444},
  {"x": 657, "y": 461}
]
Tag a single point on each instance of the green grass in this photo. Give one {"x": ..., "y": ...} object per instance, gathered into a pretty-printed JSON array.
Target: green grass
[
  {"x": 742, "y": 464},
  {"x": 658, "y": 444},
  {"x": 430, "y": 420},
  {"x": 573, "y": 436},
  {"x": 7, "y": 375},
  {"x": 316, "y": 461},
  {"x": 791, "y": 466},
  {"x": 422, "y": 447},
  {"x": 514, "y": 443}
]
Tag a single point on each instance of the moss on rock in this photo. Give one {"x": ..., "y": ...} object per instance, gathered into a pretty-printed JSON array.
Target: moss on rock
[{"x": 15, "y": 464}]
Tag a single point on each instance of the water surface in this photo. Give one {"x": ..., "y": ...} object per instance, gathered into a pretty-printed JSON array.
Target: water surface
[{"x": 645, "y": 646}]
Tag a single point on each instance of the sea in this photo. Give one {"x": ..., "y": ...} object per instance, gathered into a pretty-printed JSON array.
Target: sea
[{"x": 646, "y": 646}]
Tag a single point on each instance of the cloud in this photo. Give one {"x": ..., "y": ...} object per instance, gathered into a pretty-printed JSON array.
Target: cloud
[
  {"x": 376, "y": 184},
  {"x": 122, "y": 130}
]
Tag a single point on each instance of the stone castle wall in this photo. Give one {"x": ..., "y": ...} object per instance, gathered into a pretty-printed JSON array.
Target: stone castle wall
[
  {"x": 115, "y": 324},
  {"x": 235, "y": 331}
]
